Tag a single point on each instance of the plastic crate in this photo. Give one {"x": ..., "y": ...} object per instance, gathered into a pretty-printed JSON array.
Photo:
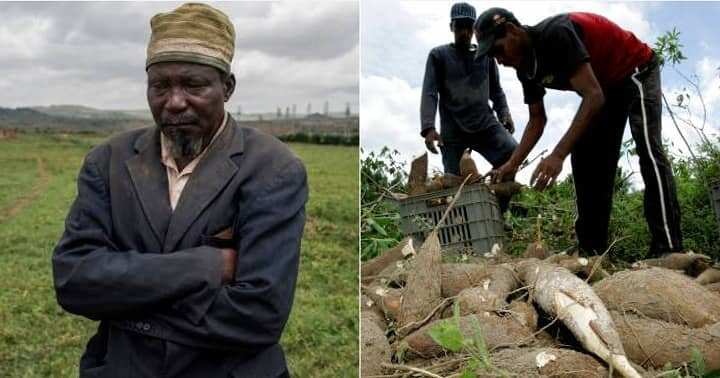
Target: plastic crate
[
  {"x": 473, "y": 225},
  {"x": 715, "y": 189}
]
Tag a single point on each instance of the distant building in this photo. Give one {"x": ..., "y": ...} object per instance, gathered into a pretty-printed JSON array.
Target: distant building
[
  {"x": 8, "y": 133},
  {"x": 317, "y": 116}
]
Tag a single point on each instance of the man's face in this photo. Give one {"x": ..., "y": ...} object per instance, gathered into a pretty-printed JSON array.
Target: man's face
[
  {"x": 462, "y": 28},
  {"x": 187, "y": 103},
  {"x": 507, "y": 48}
]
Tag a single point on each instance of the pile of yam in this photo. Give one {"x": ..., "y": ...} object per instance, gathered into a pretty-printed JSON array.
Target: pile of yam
[
  {"x": 420, "y": 183},
  {"x": 537, "y": 315},
  {"x": 541, "y": 314}
]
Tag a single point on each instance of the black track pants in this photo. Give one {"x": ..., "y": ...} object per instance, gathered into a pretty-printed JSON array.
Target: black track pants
[{"x": 596, "y": 154}]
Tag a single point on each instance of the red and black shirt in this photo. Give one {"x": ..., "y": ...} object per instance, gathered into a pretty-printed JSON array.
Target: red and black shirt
[{"x": 561, "y": 43}]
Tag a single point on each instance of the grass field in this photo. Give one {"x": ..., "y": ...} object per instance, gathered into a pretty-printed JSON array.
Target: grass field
[{"x": 37, "y": 185}]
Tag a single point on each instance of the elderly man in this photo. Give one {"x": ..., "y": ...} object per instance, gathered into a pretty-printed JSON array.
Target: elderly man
[
  {"x": 184, "y": 238},
  {"x": 618, "y": 78},
  {"x": 464, "y": 85}
]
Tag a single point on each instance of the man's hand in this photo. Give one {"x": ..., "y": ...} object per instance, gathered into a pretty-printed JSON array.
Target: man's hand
[
  {"x": 508, "y": 123},
  {"x": 503, "y": 173},
  {"x": 546, "y": 172},
  {"x": 229, "y": 256},
  {"x": 430, "y": 138}
]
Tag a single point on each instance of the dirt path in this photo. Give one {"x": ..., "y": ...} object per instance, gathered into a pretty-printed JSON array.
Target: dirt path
[{"x": 38, "y": 188}]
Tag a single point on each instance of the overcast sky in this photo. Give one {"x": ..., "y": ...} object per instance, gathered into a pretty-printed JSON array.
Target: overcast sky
[
  {"x": 397, "y": 36},
  {"x": 94, "y": 54}
]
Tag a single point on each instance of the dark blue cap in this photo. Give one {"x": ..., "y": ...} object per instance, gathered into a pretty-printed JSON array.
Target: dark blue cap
[{"x": 462, "y": 10}]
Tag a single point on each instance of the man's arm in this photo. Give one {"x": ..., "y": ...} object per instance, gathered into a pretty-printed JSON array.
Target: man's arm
[
  {"x": 252, "y": 310},
  {"x": 94, "y": 279},
  {"x": 533, "y": 131},
  {"x": 497, "y": 95},
  {"x": 429, "y": 96},
  {"x": 428, "y": 105},
  {"x": 583, "y": 81}
]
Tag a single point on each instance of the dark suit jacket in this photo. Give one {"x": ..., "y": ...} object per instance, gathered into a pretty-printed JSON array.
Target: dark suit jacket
[{"x": 150, "y": 275}]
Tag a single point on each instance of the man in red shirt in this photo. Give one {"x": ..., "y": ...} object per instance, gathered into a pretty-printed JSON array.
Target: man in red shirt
[{"x": 617, "y": 77}]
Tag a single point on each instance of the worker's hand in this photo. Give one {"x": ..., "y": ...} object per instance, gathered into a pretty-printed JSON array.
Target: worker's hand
[
  {"x": 504, "y": 173},
  {"x": 546, "y": 172},
  {"x": 508, "y": 123},
  {"x": 430, "y": 138},
  {"x": 229, "y": 257}
]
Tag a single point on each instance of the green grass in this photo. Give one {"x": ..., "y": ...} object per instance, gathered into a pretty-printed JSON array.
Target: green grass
[{"x": 38, "y": 339}]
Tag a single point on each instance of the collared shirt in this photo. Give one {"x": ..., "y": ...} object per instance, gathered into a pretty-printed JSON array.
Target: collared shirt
[
  {"x": 177, "y": 180},
  {"x": 462, "y": 86}
]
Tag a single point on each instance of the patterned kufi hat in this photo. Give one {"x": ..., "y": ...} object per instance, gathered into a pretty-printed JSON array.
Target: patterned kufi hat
[{"x": 194, "y": 33}]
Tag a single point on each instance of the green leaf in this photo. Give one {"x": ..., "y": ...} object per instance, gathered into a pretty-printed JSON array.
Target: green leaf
[
  {"x": 447, "y": 335},
  {"x": 469, "y": 371},
  {"x": 375, "y": 226},
  {"x": 697, "y": 362}
]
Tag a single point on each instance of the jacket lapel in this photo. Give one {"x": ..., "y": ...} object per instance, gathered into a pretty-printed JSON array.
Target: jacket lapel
[
  {"x": 207, "y": 180},
  {"x": 149, "y": 178}
]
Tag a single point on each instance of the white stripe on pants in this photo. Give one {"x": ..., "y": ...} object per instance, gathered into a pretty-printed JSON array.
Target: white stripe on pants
[{"x": 652, "y": 158}]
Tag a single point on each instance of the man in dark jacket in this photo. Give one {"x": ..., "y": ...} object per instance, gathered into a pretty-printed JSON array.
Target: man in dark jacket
[
  {"x": 184, "y": 238},
  {"x": 617, "y": 77},
  {"x": 463, "y": 85}
]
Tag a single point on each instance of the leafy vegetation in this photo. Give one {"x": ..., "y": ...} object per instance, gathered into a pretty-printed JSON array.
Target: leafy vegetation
[
  {"x": 341, "y": 140},
  {"x": 448, "y": 335},
  {"x": 380, "y": 174},
  {"x": 39, "y": 339}
]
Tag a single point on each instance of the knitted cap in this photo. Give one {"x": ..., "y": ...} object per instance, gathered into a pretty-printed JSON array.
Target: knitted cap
[
  {"x": 194, "y": 33},
  {"x": 462, "y": 10}
]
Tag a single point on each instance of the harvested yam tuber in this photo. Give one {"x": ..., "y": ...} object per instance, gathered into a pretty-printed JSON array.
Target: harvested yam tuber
[
  {"x": 450, "y": 180},
  {"x": 475, "y": 300},
  {"x": 660, "y": 294},
  {"x": 692, "y": 263},
  {"x": 434, "y": 185},
  {"x": 454, "y": 276},
  {"x": 584, "y": 266},
  {"x": 459, "y": 276},
  {"x": 554, "y": 259},
  {"x": 394, "y": 275},
  {"x": 387, "y": 299},
  {"x": 562, "y": 294},
  {"x": 375, "y": 349},
  {"x": 418, "y": 175},
  {"x": 375, "y": 265},
  {"x": 709, "y": 276},
  {"x": 546, "y": 362},
  {"x": 468, "y": 167},
  {"x": 525, "y": 313},
  {"x": 422, "y": 292},
  {"x": 656, "y": 343},
  {"x": 535, "y": 250},
  {"x": 371, "y": 310},
  {"x": 445, "y": 181},
  {"x": 714, "y": 287},
  {"x": 505, "y": 189},
  {"x": 496, "y": 331},
  {"x": 490, "y": 295}
]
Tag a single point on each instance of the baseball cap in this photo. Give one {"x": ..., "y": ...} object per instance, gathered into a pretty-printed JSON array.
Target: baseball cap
[
  {"x": 489, "y": 25},
  {"x": 462, "y": 10}
]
